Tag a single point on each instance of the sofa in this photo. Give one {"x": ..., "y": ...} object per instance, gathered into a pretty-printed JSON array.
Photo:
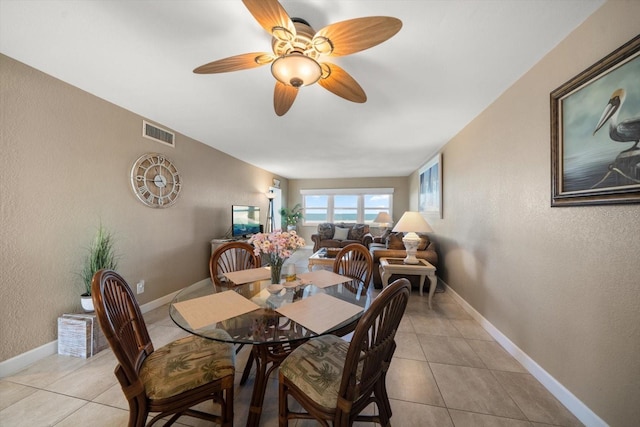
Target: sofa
[
  {"x": 339, "y": 235},
  {"x": 390, "y": 245}
]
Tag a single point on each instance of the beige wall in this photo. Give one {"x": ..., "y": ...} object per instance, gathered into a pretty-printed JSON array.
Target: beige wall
[
  {"x": 65, "y": 164},
  {"x": 399, "y": 184},
  {"x": 563, "y": 284}
]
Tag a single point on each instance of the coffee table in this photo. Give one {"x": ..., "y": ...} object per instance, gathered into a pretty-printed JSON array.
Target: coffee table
[
  {"x": 320, "y": 258},
  {"x": 389, "y": 266}
]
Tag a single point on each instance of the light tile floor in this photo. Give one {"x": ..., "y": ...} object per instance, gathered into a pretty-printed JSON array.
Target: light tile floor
[{"x": 447, "y": 371}]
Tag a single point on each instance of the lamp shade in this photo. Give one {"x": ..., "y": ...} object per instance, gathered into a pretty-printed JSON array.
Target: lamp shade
[
  {"x": 412, "y": 222},
  {"x": 383, "y": 218}
]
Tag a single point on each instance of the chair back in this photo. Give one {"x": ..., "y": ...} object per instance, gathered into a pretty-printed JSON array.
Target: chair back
[
  {"x": 355, "y": 261},
  {"x": 231, "y": 256},
  {"x": 372, "y": 345},
  {"x": 122, "y": 323}
]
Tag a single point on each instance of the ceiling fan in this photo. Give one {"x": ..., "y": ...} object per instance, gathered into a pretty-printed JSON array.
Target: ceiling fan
[{"x": 298, "y": 52}]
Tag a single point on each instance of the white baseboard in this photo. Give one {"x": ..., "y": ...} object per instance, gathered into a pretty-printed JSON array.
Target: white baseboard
[
  {"x": 21, "y": 361},
  {"x": 571, "y": 402},
  {"x": 152, "y": 305}
]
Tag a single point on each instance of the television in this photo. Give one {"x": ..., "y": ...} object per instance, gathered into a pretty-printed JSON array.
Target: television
[{"x": 245, "y": 220}]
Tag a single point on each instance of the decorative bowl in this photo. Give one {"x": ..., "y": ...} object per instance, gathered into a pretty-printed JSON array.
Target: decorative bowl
[
  {"x": 274, "y": 289},
  {"x": 291, "y": 285}
]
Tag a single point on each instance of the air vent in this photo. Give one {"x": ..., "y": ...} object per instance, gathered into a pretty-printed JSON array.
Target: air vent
[{"x": 158, "y": 134}]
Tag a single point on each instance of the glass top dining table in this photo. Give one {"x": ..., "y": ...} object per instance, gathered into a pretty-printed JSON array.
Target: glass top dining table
[{"x": 272, "y": 335}]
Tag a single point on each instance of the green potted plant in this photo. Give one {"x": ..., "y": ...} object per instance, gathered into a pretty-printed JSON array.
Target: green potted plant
[
  {"x": 290, "y": 217},
  {"x": 100, "y": 254}
]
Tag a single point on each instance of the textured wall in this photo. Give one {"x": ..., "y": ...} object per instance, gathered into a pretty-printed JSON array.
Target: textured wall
[
  {"x": 399, "y": 184},
  {"x": 562, "y": 283},
  {"x": 65, "y": 164}
]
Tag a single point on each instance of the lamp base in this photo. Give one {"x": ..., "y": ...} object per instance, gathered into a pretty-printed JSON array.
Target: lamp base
[
  {"x": 411, "y": 242},
  {"x": 411, "y": 259}
]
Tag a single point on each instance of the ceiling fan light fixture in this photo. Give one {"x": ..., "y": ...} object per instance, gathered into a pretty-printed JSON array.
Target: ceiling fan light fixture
[
  {"x": 322, "y": 45},
  {"x": 283, "y": 34},
  {"x": 296, "y": 69},
  {"x": 264, "y": 59}
]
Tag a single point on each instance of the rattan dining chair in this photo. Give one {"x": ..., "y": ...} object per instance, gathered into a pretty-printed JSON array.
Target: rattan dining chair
[
  {"x": 355, "y": 261},
  {"x": 169, "y": 380},
  {"x": 334, "y": 380},
  {"x": 228, "y": 257},
  {"x": 232, "y": 256}
]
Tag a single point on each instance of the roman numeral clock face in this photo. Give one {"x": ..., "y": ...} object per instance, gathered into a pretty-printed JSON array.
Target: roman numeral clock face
[{"x": 155, "y": 180}]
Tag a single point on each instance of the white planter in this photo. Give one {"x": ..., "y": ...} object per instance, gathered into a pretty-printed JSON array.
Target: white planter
[
  {"x": 291, "y": 228},
  {"x": 87, "y": 303}
]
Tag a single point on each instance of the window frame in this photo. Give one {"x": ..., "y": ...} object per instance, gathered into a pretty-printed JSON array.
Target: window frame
[{"x": 332, "y": 192}]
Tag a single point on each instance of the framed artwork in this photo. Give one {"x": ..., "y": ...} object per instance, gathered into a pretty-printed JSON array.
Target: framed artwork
[
  {"x": 430, "y": 196},
  {"x": 595, "y": 129}
]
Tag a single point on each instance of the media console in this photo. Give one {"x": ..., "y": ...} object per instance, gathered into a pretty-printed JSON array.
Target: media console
[{"x": 216, "y": 243}]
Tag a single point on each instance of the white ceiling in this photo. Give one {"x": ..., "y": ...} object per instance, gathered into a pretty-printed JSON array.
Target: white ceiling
[{"x": 451, "y": 59}]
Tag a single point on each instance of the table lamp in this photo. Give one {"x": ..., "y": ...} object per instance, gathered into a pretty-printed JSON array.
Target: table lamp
[
  {"x": 383, "y": 220},
  {"x": 410, "y": 224}
]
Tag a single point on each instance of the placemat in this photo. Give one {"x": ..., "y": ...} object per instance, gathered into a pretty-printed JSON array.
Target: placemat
[
  {"x": 246, "y": 276},
  {"x": 319, "y": 312},
  {"x": 210, "y": 309},
  {"x": 322, "y": 278}
]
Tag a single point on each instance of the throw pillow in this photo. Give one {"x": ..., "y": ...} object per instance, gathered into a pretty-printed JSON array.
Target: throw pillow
[
  {"x": 358, "y": 231},
  {"x": 424, "y": 243},
  {"x": 341, "y": 233},
  {"x": 394, "y": 241},
  {"x": 325, "y": 231},
  {"x": 383, "y": 237}
]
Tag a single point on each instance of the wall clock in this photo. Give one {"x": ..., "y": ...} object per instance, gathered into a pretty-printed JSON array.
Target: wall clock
[{"x": 155, "y": 180}]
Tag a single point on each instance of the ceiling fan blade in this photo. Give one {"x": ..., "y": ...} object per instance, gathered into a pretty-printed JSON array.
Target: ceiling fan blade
[
  {"x": 283, "y": 97},
  {"x": 236, "y": 63},
  {"x": 358, "y": 34},
  {"x": 269, "y": 14},
  {"x": 342, "y": 84}
]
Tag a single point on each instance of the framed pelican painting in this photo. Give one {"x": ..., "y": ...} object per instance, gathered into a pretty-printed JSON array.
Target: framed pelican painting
[{"x": 595, "y": 131}]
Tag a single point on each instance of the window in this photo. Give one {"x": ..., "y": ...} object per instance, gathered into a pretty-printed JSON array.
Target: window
[
  {"x": 345, "y": 208},
  {"x": 360, "y": 205},
  {"x": 374, "y": 204},
  {"x": 315, "y": 208}
]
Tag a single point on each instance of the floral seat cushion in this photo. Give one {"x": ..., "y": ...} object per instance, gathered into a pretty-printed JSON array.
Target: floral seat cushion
[
  {"x": 186, "y": 364},
  {"x": 316, "y": 368}
]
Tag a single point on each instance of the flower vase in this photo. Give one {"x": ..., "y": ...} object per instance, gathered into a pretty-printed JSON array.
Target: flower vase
[{"x": 276, "y": 269}]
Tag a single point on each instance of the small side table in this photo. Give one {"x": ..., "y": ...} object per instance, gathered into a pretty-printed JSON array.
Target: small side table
[{"x": 389, "y": 266}]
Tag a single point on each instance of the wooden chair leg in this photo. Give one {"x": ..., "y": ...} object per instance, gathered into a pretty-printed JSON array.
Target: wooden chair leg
[
  {"x": 384, "y": 406},
  {"x": 282, "y": 404},
  {"x": 137, "y": 417},
  {"x": 226, "y": 407}
]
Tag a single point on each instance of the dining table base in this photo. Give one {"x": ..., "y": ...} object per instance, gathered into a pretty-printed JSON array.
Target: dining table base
[{"x": 263, "y": 356}]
